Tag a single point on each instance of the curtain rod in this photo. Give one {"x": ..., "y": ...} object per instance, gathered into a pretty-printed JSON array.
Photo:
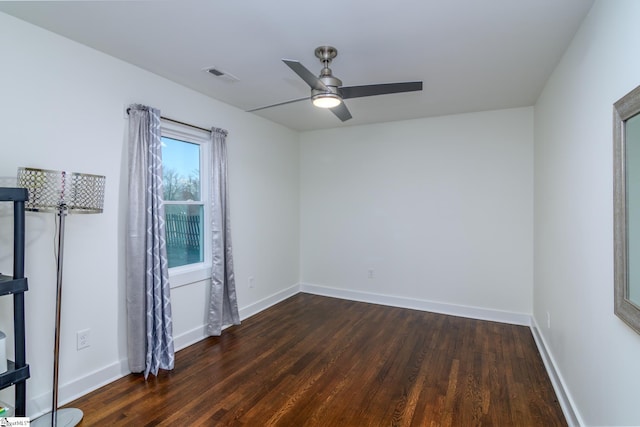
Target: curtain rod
[
  {"x": 184, "y": 124},
  {"x": 181, "y": 123}
]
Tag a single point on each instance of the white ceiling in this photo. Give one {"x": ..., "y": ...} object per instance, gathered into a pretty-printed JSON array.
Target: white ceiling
[{"x": 472, "y": 55}]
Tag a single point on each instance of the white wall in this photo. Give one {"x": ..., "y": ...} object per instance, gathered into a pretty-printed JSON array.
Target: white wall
[
  {"x": 596, "y": 353},
  {"x": 61, "y": 107},
  {"x": 441, "y": 210}
]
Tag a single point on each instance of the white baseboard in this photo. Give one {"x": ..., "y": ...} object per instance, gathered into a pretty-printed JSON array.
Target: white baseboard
[
  {"x": 184, "y": 340},
  {"x": 68, "y": 392},
  {"x": 267, "y": 302},
  {"x": 569, "y": 409},
  {"x": 423, "y": 305}
]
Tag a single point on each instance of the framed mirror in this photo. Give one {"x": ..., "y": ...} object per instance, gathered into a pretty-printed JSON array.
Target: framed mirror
[{"x": 626, "y": 215}]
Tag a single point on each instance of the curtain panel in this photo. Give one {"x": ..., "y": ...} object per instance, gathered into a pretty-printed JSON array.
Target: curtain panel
[
  {"x": 149, "y": 323},
  {"x": 223, "y": 304}
]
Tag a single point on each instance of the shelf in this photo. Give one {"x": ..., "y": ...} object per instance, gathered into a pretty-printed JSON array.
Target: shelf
[
  {"x": 13, "y": 375},
  {"x": 18, "y": 370},
  {"x": 14, "y": 194},
  {"x": 9, "y": 285}
]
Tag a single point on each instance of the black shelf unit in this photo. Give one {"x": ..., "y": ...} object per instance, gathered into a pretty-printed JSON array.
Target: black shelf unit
[{"x": 16, "y": 285}]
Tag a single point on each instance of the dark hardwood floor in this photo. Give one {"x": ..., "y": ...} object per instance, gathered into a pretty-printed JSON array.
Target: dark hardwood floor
[{"x": 317, "y": 361}]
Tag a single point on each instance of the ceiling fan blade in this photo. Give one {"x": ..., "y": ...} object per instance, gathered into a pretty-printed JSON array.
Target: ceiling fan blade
[
  {"x": 342, "y": 112},
  {"x": 305, "y": 75},
  {"x": 379, "y": 89},
  {"x": 306, "y": 98}
]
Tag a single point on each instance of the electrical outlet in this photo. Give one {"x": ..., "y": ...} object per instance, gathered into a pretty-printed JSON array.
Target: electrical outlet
[
  {"x": 252, "y": 282},
  {"x": 83, "y": 338}
]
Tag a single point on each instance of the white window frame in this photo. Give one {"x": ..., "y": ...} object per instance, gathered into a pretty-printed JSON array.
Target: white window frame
[{"x": 191, "y": 273}]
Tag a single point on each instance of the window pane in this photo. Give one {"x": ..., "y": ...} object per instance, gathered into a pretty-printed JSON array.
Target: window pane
[
  {"x": 180, "y": 170},
  {"x": 184, "y": 225}
]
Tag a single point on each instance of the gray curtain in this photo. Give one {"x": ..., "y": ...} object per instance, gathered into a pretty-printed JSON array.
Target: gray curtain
[
  {"x": 223, "y": 304},
  {"x": 149, "y": 325}
]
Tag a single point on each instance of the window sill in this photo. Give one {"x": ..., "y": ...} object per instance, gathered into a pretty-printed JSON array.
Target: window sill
[{"x": 182, "y": 276}]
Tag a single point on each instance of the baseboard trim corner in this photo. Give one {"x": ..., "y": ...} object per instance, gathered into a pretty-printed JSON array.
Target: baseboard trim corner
[{"x": 571, "y": 414}]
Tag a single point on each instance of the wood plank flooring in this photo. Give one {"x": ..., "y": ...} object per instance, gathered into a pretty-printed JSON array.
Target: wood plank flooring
[{"x": 318, "y": 361}]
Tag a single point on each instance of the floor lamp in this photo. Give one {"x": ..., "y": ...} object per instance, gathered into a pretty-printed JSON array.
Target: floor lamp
[{"x": 63, "y": 193}]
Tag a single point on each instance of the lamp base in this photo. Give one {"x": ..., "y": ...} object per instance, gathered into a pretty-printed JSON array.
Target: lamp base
[{"x": 66, "y": 417}]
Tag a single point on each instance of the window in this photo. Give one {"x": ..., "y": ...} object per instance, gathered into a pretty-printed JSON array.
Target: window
[{"x": 185, "y": 170}]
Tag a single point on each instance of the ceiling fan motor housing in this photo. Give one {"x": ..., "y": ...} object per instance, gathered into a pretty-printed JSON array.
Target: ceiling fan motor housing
[
  {"x": 332, "y": 83},
  {"x": 329, "y": 98}
]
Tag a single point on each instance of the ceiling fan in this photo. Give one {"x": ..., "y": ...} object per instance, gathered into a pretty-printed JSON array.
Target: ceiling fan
[{"x": 327, "y": 90}]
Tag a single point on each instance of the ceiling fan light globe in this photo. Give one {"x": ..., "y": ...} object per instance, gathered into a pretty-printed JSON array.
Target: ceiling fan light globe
[{"x": 326, "y": 100}]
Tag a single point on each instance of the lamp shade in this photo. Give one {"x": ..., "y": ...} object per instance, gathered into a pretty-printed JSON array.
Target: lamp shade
[{"x": 50, "y": 189}]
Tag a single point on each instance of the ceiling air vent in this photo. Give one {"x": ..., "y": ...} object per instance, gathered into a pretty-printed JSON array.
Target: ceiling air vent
[
  {"x": 215, "y": 72},
  {"x": 221, "y": 74}
]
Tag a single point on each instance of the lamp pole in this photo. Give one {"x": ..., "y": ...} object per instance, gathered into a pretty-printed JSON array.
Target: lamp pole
[{"x": 62, "y": 213}]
